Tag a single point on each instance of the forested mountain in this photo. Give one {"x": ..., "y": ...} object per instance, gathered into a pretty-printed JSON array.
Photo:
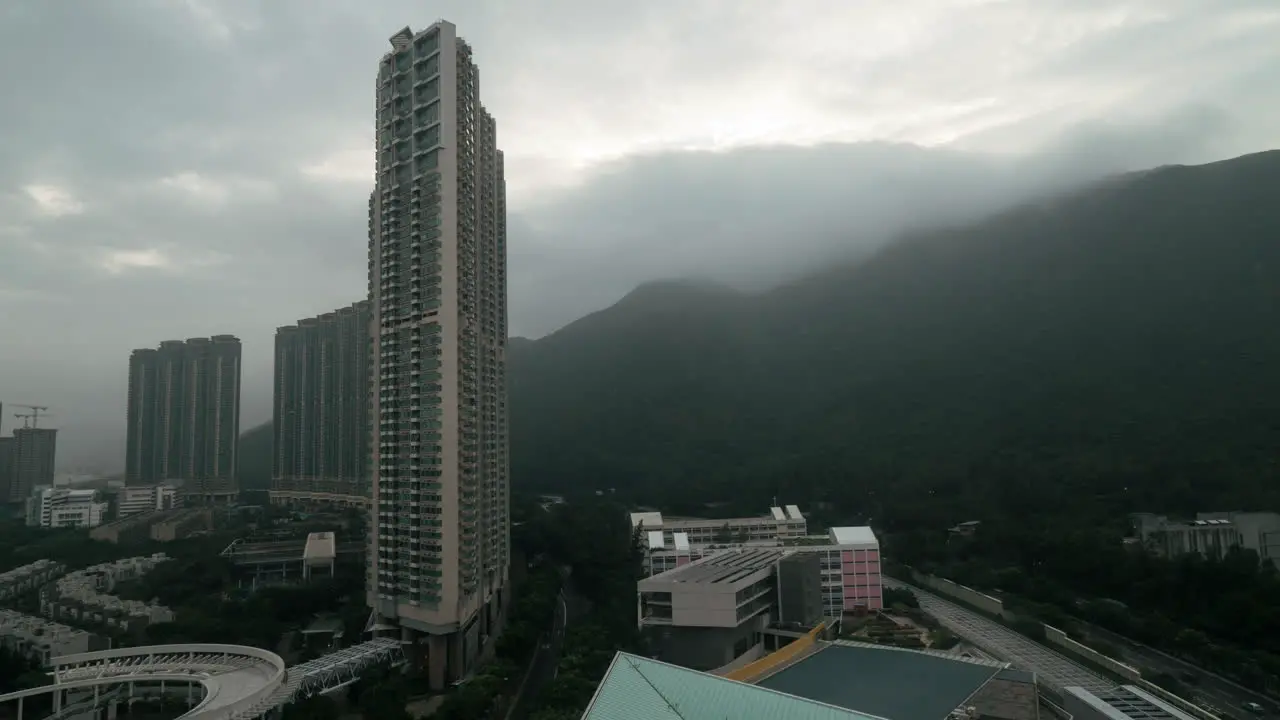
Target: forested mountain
[
  {"x": 254, "y": 468},
  {"x": 1118, "y": 347}
]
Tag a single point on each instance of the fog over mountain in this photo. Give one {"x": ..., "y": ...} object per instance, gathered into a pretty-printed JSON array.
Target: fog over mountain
[
  {"x": 757, "y": 216},
  {"x": 224, "y": 189}
]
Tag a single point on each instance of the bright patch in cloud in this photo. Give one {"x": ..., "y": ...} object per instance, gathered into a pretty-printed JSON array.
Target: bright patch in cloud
[
  {"x": 214, "y": 192},
  {"x": 120, "y": 261},
  {"x": 53, "y": 201},
  {"x": 116, "y": 261},
  {"x": 354, "y": 166}
]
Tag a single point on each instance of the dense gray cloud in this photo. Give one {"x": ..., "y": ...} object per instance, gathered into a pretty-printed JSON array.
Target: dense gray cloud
[{"x": 176, "y": 168}]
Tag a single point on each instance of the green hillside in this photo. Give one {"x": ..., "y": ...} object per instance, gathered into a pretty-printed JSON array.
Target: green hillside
[
  {"x": 1121, "y": 344},
  {"x": 255, "y": 458}
]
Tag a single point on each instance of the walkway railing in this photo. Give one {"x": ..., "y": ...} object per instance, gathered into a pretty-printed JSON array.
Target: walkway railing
[{"x": 786, "y": 654}]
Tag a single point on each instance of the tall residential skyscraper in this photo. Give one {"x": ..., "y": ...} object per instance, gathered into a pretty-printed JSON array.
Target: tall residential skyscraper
[
  {"x": 437, "y": 282},
  {"x": 320, "y": 423},
  {"x": 34, "y": 451},
  {"x": 184, "y": 416},
  {"x": 8, "y": 452}
]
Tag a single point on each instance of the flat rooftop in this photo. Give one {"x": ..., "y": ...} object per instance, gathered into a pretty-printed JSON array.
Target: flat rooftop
[
  {"x": 320, "y": 546},
  {"x": 654, "y": 519},
  {"x": 892, "y": 683},
  {"x": 725, "y": 567},
  {"x": 1127, "y": 702},
  {"x": 860, "y": 535},
  {"x": 242, "y": 553}
]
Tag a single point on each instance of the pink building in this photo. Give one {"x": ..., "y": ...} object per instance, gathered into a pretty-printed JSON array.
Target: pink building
[{"x": 860, "y": 584}]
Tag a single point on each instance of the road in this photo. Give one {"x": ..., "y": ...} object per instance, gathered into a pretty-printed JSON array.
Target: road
[
  {"x": 542, "y": 668},
  {"x": 1208, "y": 690},
  {"x": 991, "y": 636}
]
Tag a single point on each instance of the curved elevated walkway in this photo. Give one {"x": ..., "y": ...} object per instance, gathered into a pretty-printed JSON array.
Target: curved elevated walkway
[
  {"x": 236, "y": 679},
  {"x": 239, "y": 682}
]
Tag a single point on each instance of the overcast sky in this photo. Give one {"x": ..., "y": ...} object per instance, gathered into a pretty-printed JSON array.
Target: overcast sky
[{"x": 181, "y": 168}]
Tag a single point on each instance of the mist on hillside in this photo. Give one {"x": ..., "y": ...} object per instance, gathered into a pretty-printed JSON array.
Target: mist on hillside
[
  {"x": 748, "y": 218},
  {"x": 756, "y": 217}
]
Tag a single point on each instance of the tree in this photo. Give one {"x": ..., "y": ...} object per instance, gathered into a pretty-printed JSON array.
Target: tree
[
  {"x": 943, "y": 639},
  {"x": 314, "y": 707},
  {"x": 724, "y": 534},
  {"x": 554, "y": 714},
  {"x": 899, "y": 596},
  {"x": 17, "y": 672}
]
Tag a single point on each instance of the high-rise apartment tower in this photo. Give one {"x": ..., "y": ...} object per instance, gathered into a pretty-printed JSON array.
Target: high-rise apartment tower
[
  {"x": 438, "y": 288},
  {"x": 320, "y": 423},
  {"x": 34, "y": 451},
  {"x": 184, "y": 416},
  {"x": 8, "y": 449}
]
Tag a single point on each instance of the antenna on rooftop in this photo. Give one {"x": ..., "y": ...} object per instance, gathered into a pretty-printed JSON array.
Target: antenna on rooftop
[{"x": 33, "y": 417}]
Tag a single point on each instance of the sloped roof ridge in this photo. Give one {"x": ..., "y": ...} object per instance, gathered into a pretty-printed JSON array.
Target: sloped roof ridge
[
  {"x": 639, "y": 661},
  {"x": 632, "y": 661}
]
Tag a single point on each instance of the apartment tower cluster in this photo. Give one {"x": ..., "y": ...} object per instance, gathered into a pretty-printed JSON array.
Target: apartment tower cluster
[
  {"x": 437, "y": 289},
  {"x": 184, "y": 416},
  {"x": 320, "y": 422}
]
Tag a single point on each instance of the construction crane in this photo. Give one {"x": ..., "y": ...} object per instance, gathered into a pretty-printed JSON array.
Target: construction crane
[{"x": 34, "y": 415}]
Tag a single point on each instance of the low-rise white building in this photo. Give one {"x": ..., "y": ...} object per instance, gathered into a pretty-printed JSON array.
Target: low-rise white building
[
  {"x": 65, "y": 508},
  {"x": 1211, "y": 534},
  {"x": 39, "y": 639},
  {"x": 85, "y": 596},
  {"x": 135, "y": 499},
  {"x": 28, "y": 577},
  {"x": 849, "y": 561},
  {"x": 780, "y": 524}
]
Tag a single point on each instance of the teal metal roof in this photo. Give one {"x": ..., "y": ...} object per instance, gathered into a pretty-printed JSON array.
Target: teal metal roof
[
  {"x": 637, "y": 688},
  {"x": 894, "y": 683}
]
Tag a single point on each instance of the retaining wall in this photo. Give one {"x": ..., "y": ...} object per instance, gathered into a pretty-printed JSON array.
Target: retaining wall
[
  {"x": 1054, "y": 636},
  {"x": 981, "y": 601},
  {"x": 1057, "y": 637},
  {"x": 1181, "y": 703}
]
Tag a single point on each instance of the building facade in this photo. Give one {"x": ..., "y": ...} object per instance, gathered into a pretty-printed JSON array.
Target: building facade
[
  {"x": 184, "y": 416},
  {"x": 7, "y": 455},
  {"x": 1256, "y": 531},
  {"x": 136, "y": 499},
  {"x": 714, "y": 607},
  {"x": 32, "y": 460},
  {"x": 714, "y": 612},
  {"x": 437, "y": 285},
  {"x": 1169, "y": 538},
  {"x": 65, "y": 508},
  {"x": 85, "y": 595},
  {"x": 1211, "y": 534},
  {"x": 848, "y": 558},
  {"x": 1119, "y": 703},
  {"x": 40, "y": 640},
  {"x": 851, "y": 570},
  {"x": 320, "y": 422},
  {"x": 29, "y": 577},
  {"x": 181, "y": 523},
  {"x": 782, "y": 523}
]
